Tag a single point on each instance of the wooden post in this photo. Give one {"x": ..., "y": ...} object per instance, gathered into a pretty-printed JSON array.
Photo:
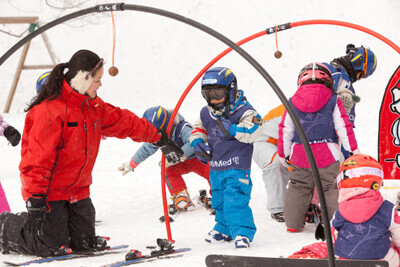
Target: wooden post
[
  {"x": 21, "y": 65},
  {"x": 16, "y": 77},
  {"x": 18, "y": 20}
]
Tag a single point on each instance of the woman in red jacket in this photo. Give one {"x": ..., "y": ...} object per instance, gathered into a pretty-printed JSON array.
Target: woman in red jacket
[{"x": 60, "y": 142}]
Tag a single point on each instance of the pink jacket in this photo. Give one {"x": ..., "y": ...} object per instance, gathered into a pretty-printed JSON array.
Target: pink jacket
[{"x": 312, "y": 101}]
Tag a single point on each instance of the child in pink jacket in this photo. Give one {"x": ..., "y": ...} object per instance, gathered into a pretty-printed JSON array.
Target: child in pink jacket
[
  {"x": 365, "y": 226},
  {"x": 13, "y": 136},
  {"x": 324, "y": 121}
]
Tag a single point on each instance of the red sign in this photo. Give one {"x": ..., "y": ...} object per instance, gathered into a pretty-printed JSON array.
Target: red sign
[{"x": 389, "y": 129}]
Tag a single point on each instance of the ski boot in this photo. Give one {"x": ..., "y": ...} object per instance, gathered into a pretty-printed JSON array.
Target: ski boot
[
  {"x": 181, "y": 202},
  {"x": 96, "y": 243},
  {"x": 206, "y": 201},
  {"x": 278, "y": 217}
]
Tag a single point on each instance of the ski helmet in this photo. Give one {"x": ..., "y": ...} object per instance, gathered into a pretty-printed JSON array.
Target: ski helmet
[
  {"x": 314, "y": 71},
  {"x": 364, "y": 60},
  {"x": 42, "y": 80},
  {"x": 158, "y": 116},
  {"x": 217, "y": 83},
  {"x": 360, "y": 171}
]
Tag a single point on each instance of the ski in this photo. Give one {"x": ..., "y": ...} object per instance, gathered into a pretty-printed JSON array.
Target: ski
[
  {"x": 239, "y": 261},
  {"x": 146, "y": 258},
  {"x": 166, "y": 251},
  {"x": 81, "y": 254}
]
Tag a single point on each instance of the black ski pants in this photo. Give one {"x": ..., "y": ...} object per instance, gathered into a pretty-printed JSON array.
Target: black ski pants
[{"x": 67, "y": 224}]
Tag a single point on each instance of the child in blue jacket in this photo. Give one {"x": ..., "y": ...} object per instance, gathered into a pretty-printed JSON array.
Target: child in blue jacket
[
  {"x": 224, "y": 136},
  {"x": 180, "y": 134}
]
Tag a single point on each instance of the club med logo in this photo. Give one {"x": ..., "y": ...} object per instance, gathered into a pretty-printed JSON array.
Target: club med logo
[{"x": 224, "y": 163}]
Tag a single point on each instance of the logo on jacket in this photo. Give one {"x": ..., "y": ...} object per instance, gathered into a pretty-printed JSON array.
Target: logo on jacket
[
  {"x": 257, "y": 121},
  {"x": 224, "y": 163}
]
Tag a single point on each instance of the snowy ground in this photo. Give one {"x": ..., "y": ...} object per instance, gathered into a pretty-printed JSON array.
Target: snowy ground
[{"x": 157, "y": 59}]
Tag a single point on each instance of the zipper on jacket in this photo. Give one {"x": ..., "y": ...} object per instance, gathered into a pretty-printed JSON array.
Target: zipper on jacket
[{"x": 83, "y": 166}]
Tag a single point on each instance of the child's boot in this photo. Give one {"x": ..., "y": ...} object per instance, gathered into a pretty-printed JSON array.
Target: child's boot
[
  {"x": 182, "y": 200},
  {"x": 215, "y": 236},
  {"x": 242, "y": 241}
]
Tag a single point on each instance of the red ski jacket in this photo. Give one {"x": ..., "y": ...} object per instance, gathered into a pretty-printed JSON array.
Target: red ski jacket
[{"x": 61, "y": 140}]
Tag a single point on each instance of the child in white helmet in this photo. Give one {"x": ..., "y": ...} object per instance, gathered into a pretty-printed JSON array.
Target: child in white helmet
[{"x": 370, "y": 233}]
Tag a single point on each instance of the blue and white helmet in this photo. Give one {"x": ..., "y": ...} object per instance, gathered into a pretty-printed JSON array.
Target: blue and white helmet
[
  {"x": 364, "y": 60},
  {"x": 220, "y": 77},
  {"x": 158, "y": 116},
  {"x": 42, "y": 80}
]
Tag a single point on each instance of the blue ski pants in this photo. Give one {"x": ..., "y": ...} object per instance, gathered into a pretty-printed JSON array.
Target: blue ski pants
[{"x": 230, "y": 200}]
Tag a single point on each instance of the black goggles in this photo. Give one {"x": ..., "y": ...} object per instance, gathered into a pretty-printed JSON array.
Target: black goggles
[
  {"x": 215, "y": 93},
  {"x": 365, "y": 64}
]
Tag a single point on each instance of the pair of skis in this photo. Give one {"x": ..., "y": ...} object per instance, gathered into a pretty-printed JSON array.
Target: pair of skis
[
  {"x": 82, "y": 254},
  {"x": 165, "y": 250}
]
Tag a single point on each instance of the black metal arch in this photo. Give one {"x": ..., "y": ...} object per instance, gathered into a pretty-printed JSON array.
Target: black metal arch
[{"x": 239, "y": 50}]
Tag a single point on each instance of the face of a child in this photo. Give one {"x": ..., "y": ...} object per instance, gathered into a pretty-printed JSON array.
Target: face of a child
[
  {"x": 219, "y": 101},
  {"x": 96, "y": 84}
]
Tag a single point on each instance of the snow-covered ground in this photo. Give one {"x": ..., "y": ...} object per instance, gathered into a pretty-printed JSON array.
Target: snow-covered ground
[{"x": 157, "y": 58}]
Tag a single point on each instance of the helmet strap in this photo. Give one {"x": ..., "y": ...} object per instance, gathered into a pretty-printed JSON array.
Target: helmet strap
[{"x": 313, "y": 71}]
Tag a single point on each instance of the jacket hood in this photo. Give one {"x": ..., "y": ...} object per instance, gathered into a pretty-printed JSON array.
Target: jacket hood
[
  {"x": 361, "y": 207},
  {"x": 311, "y": 97}
]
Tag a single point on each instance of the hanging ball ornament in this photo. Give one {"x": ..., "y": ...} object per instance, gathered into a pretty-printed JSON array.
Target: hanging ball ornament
[
  {"x": 113, "y": 71},
  {"x": 278, "y": 54}
]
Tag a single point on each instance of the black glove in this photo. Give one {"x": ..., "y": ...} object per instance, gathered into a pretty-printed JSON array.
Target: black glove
[
  {"x": 171, "y": 151},
  {"x": 12, "y": 135},
  {"x": 36, "y": 210},
  {"x": 203, "y": 152}
]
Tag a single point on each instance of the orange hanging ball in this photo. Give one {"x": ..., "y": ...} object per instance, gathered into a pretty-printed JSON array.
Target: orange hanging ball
[{"x": 113, "y": 71}]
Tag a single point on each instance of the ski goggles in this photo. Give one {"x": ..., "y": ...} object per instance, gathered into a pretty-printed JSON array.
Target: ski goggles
[
  {"x": 215, "y": 93},
  {"x": 365, "y": 64},
  {"x": 361, "y": 59},
  {"x": 358, "y": 172}
]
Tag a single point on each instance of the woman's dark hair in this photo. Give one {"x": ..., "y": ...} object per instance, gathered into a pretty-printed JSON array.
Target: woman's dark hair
[
  {"x": 327, "y": 82},
  {"x": 83, "y": 60}
]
